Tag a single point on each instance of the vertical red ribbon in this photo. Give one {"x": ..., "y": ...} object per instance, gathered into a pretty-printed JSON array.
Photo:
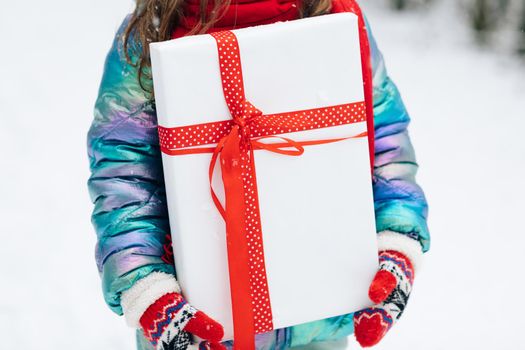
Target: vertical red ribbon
[
  {"x": 249, "y": 286},
  {"x": 233, "y": 168}
]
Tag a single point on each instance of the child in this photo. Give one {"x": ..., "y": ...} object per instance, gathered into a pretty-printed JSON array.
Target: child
[{"x": 133, "y": 252}]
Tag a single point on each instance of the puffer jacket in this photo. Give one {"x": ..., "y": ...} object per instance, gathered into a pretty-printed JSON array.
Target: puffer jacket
[{"x": 127, "y": 187}]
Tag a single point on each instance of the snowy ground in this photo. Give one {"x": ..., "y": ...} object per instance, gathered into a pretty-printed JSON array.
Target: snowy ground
[{"x": 468, "y": 124}]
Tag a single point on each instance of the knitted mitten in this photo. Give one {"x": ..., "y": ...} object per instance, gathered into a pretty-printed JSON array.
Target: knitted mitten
[
  {"x": 155, "y": 304},
  {"x": 170, "y": 320},
  {"x": 389, "y": 290}
]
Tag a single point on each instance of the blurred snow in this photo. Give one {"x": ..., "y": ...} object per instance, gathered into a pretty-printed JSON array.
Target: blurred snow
[{"x": 468, "y": 124}]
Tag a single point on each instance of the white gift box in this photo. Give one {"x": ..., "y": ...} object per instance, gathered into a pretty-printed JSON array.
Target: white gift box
[{"x": 316, "y": 210}]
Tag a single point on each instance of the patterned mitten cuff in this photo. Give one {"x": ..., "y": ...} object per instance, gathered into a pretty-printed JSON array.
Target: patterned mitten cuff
[
  {"x": 169, "y": 322},
  {"x": 154, "y": 304},
  {"x": 402, "y": 243},
  {"x": 398, "y": 257},
  {"x": 164, "y": 321},
  {"x": 145, "y": 292}
]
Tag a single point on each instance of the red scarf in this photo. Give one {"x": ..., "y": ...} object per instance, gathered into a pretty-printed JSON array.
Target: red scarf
[{"x": 240, "y": 14}]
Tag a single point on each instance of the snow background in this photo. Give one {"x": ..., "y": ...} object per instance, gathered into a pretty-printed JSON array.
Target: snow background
[{"x": 467, "y": 128}]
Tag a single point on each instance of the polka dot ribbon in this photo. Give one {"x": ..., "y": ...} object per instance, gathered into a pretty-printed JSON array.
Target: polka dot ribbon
[{"x": 233, "y": 142}]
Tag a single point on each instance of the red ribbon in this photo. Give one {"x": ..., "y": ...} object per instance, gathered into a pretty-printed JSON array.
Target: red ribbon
[{"x": 236, "y": 141}]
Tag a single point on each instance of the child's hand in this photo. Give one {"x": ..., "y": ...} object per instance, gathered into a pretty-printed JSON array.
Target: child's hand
[
  {"x": 389, "y": 290},
  {"x": 169, "y": 322}
]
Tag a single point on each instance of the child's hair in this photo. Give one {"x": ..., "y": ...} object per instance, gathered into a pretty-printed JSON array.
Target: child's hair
[{"x": 154, "y": 20}]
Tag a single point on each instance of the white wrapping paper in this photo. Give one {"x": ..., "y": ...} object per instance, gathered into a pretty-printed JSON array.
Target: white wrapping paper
[{"x": 316, "y": 210}]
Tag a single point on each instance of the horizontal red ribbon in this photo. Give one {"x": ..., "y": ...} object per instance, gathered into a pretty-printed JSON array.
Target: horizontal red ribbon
[{"x": 264, "y": 125}]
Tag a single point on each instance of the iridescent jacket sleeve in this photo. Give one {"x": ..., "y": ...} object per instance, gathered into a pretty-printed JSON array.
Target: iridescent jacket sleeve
[
  {"x": 126, "y": 183},
  {"x": 400, "y": 203}
]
